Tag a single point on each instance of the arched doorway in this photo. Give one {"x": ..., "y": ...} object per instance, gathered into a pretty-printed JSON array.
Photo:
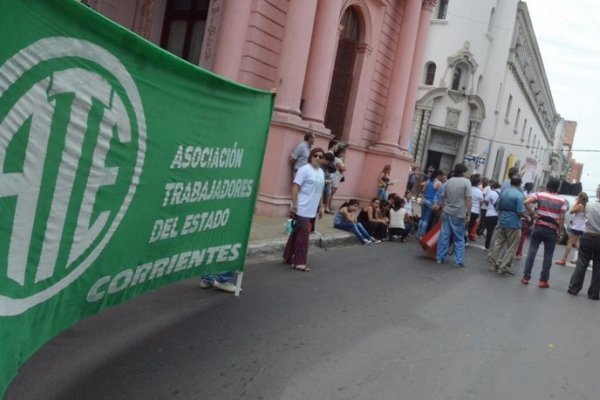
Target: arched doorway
[{"x": 343, "y": 72}]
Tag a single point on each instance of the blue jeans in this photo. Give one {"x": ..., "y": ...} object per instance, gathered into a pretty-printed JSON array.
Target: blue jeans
[
  {"x": 221, "y": 277},
  {"x": 548, "y": 237},
  {"x": 426, "y": 214},
  {"x": 452, "y": 227},
  {"x": 382, "y": 193},
  {"x": 359, "y": 231}
]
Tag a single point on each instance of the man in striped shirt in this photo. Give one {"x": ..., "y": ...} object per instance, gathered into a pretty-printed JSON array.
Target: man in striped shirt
[{"x": 549, "y": 222}]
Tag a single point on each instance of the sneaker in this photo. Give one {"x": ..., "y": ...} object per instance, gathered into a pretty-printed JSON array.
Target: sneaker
[
  {"x": 493, "y": 268},
  {"x": 224, "y": 286},
  {"x": 543, "y": 285},
  {"x": 376, "y": 241},
  {"x": 594, "y": 297},
  {"x": 439, "y": 261},
  {"x": 562, "y": 262},
  {"x": 206, "y": 284},
  {"x": 505, "y": 272},
  {"x": 525, "y": 280},
  {"x": 461, "y": 265},
  {"x": 366, "y": 241},
  {"x": 572, "y": 292}
]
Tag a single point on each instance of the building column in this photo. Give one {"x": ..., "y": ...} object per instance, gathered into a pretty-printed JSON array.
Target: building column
[
  {"x": 321, "y": 60},
  {"x": 416, "y": 72},
  {"x": 473, "y": 133},
  {"x": 293, "y": 58},
  {"x": 423, "y": 138},
  {"x": 401, "y": 73},
  {"x": 232, "y": 38}
]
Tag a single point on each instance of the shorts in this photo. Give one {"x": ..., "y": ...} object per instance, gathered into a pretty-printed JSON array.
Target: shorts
[{"x": 575, "y": 232}]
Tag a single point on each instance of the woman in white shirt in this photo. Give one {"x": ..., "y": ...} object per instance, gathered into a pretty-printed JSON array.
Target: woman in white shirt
[
  {"x": 397, "y": 217},
  {"x": 307, "y": 194},
  {"x": 491, "y": 216}
]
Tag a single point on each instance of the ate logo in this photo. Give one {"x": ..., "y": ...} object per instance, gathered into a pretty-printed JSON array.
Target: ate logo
[{"x": 72, "y": 146}]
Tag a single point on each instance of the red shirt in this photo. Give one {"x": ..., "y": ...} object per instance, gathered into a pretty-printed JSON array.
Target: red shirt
[{"x": 549, "y": 208}]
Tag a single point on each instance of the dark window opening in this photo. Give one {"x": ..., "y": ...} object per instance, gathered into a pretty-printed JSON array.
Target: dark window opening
[
  {"x": 430, "y": 74},
  {"x": 443, "y": 9},
  {"x": 183, "y": 28},
  {"x": 456, "y": 78}
]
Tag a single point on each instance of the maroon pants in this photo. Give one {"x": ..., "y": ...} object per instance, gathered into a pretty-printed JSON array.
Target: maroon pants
[
  {"x": 524, "y": 232},
  {"x": 296, "y": 249}
]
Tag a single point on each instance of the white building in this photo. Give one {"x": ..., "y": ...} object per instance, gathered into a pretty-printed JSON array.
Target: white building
[{"x": 484, "y": 98}]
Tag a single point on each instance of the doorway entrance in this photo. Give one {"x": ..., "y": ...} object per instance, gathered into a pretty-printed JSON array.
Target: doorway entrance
[
  {"x": 343, "y": 72},
  {"x": 439, "y": 160}
]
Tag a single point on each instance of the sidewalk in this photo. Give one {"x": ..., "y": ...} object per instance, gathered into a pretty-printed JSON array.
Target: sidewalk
[{"x": 267, "y": 235}]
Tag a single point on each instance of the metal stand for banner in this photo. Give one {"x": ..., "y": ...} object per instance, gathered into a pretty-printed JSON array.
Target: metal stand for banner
[{"x": 238, "y": 283}]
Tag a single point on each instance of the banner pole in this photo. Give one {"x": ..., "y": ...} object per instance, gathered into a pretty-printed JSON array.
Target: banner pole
[{"x": 238, "y": 283}]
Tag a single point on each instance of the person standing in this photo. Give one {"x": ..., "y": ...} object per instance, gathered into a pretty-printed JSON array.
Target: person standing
[
  {"x": 383, "y": 182},
  {"x": 299, "y": 156},
  {"x": 510, "y": 207},
  {"x": 485, "y": 189},
  {"x": 307, "y": 194},
  {"x": 477, "y": 196},
  {"x": 338, "y": 175},
  {"x": 525, "y": 222},
  {"x": 576, "y": 228},
  {"x": 413, "y": 177},
  {"x": 491, "y": 216},
  {"x": 410, "y": 218},
  {"x": 429, "y": 189},
  {"x": 456, "y": 208},
  {"x": 589, "y": 249},
  {"x": 551, "y": 209},
  {"x": 506, "y": 184}
]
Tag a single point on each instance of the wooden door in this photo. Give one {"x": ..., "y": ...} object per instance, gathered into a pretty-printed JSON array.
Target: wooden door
[{"x": 340, "y": 87}]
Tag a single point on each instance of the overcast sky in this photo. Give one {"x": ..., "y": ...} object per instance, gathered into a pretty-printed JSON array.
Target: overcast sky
[{"x": 568, "y": 34}]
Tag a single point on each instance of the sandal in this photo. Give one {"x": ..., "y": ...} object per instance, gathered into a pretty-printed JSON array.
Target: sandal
[
  {"x": 301, "y": 268},
  {"x": 562, "y": 262}
]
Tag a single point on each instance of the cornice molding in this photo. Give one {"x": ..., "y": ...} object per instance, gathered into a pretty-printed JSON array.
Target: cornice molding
[
  {"x": 526, "y": 64},
  {"x": 429, "y": 5}
]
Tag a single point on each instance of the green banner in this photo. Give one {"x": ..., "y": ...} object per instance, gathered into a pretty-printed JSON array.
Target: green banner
[{"x": 122, "y": 168}]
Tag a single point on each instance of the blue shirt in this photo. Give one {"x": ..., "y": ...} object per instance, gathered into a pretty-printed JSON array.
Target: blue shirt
[
  {"x": 430, "y": 190},
  {"x": 510, "y": 205}
]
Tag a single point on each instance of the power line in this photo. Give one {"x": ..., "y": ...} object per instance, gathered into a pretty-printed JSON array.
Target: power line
[{"x": 538, "y": 147}]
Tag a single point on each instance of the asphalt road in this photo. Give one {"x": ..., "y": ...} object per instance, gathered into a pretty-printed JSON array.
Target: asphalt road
[{"x": 368, "y": 322}]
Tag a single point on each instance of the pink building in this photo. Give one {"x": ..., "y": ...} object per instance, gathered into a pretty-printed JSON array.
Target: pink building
[{"x": 347, "y": 69}]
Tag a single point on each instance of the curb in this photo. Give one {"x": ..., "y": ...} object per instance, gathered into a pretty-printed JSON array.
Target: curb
[{"x": 272, "y": 246}]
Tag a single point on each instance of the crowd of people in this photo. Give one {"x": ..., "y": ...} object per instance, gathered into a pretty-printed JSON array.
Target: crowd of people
[{"x": 461, "y": 206}]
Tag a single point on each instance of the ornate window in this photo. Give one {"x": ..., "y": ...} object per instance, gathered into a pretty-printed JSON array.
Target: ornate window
[{"x": 462, "y": 65}]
